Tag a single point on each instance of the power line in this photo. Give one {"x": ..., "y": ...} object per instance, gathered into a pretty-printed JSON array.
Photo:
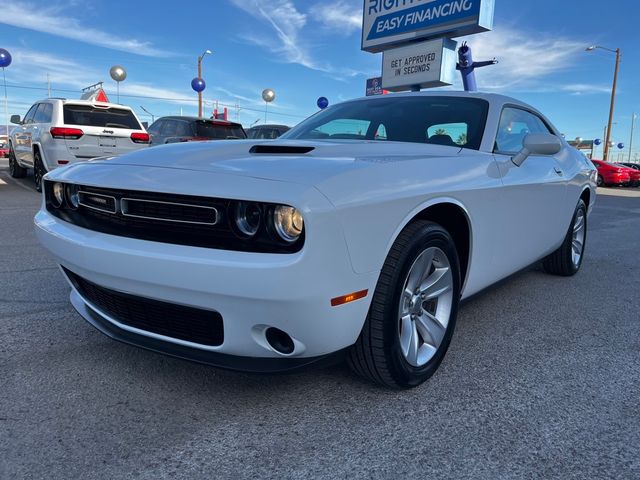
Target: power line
[{"x": 164, "y": 99}]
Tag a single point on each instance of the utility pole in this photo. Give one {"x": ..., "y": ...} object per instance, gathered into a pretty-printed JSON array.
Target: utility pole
[
  {"x": 206, "y": 52},
  {"x": 613, "y": 101},
  {"x": 633, "y": 124},
  {"x": 48, "y": 85},
  {"x": 613, "y": 95}
]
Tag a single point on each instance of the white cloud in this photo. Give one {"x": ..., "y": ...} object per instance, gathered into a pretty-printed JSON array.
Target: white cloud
[
  {"x": 339, "y": 15},
  {"x": 287, "y": 23},
  {"x": 525, "y": 58},
  {"x": 585, "y": 89},
  {"x": 52, "y": 20},
  {"x": 288, "y": 38}
]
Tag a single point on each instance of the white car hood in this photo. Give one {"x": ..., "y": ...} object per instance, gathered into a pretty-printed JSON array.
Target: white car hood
[{"x": 324, "y": 160}]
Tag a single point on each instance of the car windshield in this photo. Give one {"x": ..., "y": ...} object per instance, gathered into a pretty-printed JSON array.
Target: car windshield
[
  {"x": 451, "y": 121},
  {"x": 218, "y": 131},
  {"x": 3, "y": 145},
  {"x": 90, "y": 116}
]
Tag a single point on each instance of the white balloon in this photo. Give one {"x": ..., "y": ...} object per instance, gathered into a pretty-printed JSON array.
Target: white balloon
[
  {"x": 118, "y": 73},
  {"x": 268, "y": 95}
]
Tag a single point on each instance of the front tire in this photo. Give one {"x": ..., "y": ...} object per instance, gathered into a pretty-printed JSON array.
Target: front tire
[
  {"x": 413, "y": 311},
  {"x": 600, "y": 181},
  {"x": 38, "y": 171},
  {"x": 567, "y": 260},
  {"x": 15, "y": 170}
]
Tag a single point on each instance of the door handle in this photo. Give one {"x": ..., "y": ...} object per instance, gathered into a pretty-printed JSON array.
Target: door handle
[{"x": 557, "y": 170}]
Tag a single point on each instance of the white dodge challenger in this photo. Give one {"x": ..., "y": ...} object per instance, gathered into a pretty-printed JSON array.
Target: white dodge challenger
[{"x": 355, "y": 234}]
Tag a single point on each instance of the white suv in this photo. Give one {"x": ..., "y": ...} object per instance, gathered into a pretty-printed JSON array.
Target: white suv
[{"x": 57, "y": 132}]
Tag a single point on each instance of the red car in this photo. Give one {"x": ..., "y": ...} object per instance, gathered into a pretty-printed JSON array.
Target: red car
[
  {"x": 634, "y": 175},
  {"x": 610, "y": 174},
  {"x": 4, "y": 150}
]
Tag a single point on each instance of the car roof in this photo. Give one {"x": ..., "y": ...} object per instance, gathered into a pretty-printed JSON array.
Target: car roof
[
  {"x": 269, "y": 125},
  {"x": 201, "y": 119},
  {"x": 69, "y": 101},
  {"x": 493, "y": 98}
]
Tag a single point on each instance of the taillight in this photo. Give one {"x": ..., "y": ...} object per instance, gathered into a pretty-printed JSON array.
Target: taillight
[
  {"x": 66, "y": 133},
  {"x": 140, "y": 137}
]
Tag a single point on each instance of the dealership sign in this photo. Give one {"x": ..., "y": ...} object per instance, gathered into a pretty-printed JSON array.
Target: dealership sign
[
  {"x": 394, "y": 22},
  {"x": 425, "y": 65},
  {"x": 374, "y": 87}
]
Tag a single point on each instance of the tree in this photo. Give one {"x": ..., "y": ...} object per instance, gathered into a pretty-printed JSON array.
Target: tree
[
  {"x": 462, "y": 139},
  {"x": 440, "y": 131}
]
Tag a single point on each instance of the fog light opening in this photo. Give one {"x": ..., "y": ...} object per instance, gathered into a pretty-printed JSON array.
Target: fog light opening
[{"x": 280, "y": 341}]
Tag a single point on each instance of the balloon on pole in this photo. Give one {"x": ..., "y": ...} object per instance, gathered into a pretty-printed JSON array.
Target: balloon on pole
[
  {"x": 198, "y": 84},
  {"x": 621, "y": 146},
  {"x": 5, "y": 61},
  {"x": 323, "y": 102},
  {"x": 118, "y": 74},
  {"x": 268, "y": 95},
  {"x": 5, "y": 58},
  {"x": 597, "y": 141}
]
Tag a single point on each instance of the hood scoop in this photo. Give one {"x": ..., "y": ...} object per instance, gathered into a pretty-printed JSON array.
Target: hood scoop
[{"x": 266, "y": 149}]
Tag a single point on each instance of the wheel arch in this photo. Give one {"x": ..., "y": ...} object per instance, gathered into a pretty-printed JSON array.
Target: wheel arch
[
  {"x": 454, "y": 217},
  {"x": 38, "y": 148}
]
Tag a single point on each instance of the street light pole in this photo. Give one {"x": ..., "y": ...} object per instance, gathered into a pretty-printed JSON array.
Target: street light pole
[
  {"x": 206, "y": 52},
  {"x": 613, "y": 95},
  {"x": 633, "y": 124},
  {"x": 153, "y": 118}
]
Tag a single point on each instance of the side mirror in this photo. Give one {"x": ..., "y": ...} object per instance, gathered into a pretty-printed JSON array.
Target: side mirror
[
  {"x": 15, "y": 119},
  {"x": 537, "y": 144}
]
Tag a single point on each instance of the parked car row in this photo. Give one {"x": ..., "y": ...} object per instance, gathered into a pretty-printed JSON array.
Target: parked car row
[
  {"x": 57, "y": 132},
  {"x": 617, "y": 174}
]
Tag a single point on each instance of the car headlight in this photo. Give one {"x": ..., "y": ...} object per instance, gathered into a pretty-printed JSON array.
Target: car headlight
[
  {"x": 58, "y": 194},
  {"x": 288, "y": 223},
  {"x": 73, "y": 199},
  {"x": 248, "y": 217}
]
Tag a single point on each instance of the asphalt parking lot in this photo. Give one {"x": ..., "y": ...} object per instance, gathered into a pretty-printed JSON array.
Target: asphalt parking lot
[{"x": 542, "y": 380}]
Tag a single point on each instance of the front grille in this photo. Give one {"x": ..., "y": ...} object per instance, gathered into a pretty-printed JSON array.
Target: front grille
[
  {"x": 169, "y": 211},
  {"x": 204, "y": 327},
  {"x": 167, "y": 218}
]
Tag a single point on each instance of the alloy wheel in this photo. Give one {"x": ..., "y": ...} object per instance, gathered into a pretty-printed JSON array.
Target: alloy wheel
[
  {"x": 425, "y": 306},
  {"x": 577, "y": 240}
]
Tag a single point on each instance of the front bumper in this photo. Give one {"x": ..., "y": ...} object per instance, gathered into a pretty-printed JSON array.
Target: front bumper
[{"x": 251, "y": 292}]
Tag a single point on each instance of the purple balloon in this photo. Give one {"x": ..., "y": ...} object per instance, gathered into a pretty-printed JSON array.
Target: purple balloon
[
  {"x": 5, "y": 58},
  {"x": 621, "y": 145},
  {"x": 198, "y": 84}
]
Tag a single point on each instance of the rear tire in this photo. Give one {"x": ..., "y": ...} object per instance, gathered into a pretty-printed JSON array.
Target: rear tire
[
  {"x": 600, "y": 182},
  {"x": 413, "y": 310},
  {"x": 38, "y": 171},
  {"x": 15, "y": 170},
  {"x": 567, "y": 260}
]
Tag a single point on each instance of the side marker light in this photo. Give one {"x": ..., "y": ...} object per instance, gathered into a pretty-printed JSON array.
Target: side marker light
[{"x": 348, "y": 298}]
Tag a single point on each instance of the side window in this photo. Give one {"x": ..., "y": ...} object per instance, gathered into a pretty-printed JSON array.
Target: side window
[
  {"x": 183, "y": 129},
  {"x": 155, "y": 128},
  {"x": 169, "y": 128},
  {"x": 28, "y": 118},
  {"x": 514, "y": 125},
  {"x": 44, "y": 113},
  {"x": 381, "y": 133},
  {"x": 456, "y": 133}
]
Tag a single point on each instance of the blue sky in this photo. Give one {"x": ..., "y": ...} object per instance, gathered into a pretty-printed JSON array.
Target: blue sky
[{"x": 307, "y": 48}]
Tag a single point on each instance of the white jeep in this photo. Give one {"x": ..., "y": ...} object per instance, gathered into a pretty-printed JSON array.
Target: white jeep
[{"x": 56, "y": 132}]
